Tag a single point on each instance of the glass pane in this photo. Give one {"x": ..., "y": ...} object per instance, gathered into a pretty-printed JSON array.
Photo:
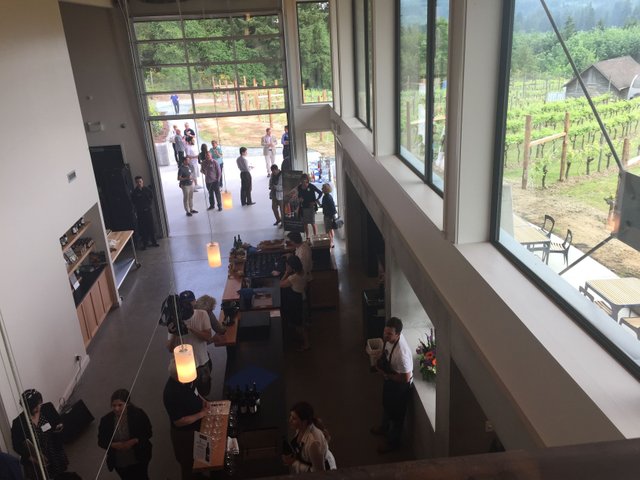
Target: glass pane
[
  {"x": 321, "y": 160},
  {"x": 259, "y": 48},
  {"x": 157, "y": 30},
  {"x": 255, "y": 25},
  {"x": 369, "y": 57},
  {"x": 361, "y": 62},
  {"x": 159, "y": 53},
  {"x": 210, "y": 51},
  {"x": 440, "y": 94},
  {"x": 262, "y": 99},
  {"x": 315, "y": 51},
  {"x": 216, "y": 102},
  {"x": 169, "y": 104},
  {"x": 560, "y": 184},
  {"x": 206, "y": 77},
  {"x": 208, "y": 27},
  {"x": 413, "y": 71},
  {"x": 266, "y": 74},
  {"x": 165, "y": 79},
  {"x": 246, "y": 130}
]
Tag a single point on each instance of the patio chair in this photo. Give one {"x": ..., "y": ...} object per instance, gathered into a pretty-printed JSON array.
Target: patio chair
[
  {"x": 547, "y": 226},
  {"x": 563, "y": 247}
]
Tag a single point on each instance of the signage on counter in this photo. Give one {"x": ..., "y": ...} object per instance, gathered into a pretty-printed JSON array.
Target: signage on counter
[{"x": 291, "y": 208}]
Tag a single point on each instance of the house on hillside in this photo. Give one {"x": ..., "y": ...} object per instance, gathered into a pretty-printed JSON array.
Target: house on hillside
[{"x": 614, "y": 75}]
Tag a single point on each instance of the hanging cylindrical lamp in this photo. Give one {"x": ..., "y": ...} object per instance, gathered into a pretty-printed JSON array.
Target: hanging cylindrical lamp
[
  {"x": 185, "y": 363},
  {"x": 227, "y": 202},
  {"x": 213, "y": 255}
]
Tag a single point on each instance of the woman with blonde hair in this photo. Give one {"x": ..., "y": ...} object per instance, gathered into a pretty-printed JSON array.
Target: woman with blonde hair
[
  {"x": 328, "y": 210},
  {"x": 208, "y": 303}
]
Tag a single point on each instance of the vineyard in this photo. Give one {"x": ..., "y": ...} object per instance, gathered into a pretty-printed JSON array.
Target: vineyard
[{"x": 573, "y": 187}]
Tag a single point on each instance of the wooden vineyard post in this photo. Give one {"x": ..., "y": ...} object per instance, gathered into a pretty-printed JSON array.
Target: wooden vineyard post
[
  {"x": 324, "y": 95},
  {"x": 275, "y": 82},
  {"x": 269, "y": 107},
  {"x": 255, "y": 82},
  {"x": 565, "y": 146},
  {"x": 245, "y": 101},
  {"x": 527, "y": 152},
  {"x": 256, "y": 100},
  {"x": 625, "y": 152},
  {"x": 244, "y": 81}
]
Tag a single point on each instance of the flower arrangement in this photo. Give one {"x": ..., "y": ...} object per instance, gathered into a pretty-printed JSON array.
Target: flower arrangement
[{"x": 427, "y": 357}]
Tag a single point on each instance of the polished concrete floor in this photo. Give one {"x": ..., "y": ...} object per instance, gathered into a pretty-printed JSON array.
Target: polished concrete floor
[{"x": 129, "y": 349}]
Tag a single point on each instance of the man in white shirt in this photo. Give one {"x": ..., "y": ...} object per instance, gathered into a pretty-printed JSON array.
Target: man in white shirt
[
  {"x": 199, "y": 336},
  {"x": 396, "y": 367},
  {"x": 269, "y": 143}
]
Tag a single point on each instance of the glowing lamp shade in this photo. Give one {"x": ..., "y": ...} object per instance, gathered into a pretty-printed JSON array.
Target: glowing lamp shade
[
  {"x": 227, "y": 202},
  {"x": 185, "y": 363},
  {"x": 213, "y": 254}
]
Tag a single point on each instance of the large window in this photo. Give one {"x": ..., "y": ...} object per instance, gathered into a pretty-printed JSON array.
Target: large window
[
  {"x": 315, "y": 52},
  {"x": 363, "y": 41},
  {"x": 212, "y": 65},
  {"x": 565, "y": 212},
  {"x": 423, "y": 28}
]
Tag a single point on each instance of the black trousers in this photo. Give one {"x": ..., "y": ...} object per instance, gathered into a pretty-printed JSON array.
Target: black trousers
[
  {"x": 175, "y": 152},
  {"x": 245, "y": 188},
  {"x": 145, "y": 226},
  {"x": 395, "y": 397},
  {"x": 214, "y": 194},
  {"x": 137, "y": 471}
]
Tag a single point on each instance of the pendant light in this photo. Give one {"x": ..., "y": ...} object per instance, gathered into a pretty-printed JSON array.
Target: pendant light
[
  {"x": 213, "y": 254},
  {"x": 227, "y": 201},
  {"x": 185, "y": 362}
]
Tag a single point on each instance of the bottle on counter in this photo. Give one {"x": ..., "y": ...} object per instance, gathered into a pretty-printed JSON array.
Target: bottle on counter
[{"x": 256, "y": 395}]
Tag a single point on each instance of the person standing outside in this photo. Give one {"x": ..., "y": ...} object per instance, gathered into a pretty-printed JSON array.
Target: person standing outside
[
  {"x": 186, "y": 184},
  {"x": 212, "y": 175},
  {"x": 245, "y": 177},
  {"x": 275, "y": 193},
  {"x": 216, "y": 154},
  {"x": 142, "y": 199},
  {"x": 172, "y": 140},
  {"x": 176, "y": 103},
  {"x": 396, "y": 368},
  {"x": 286, "y": 149},
  {"x": 191, "y": 154},
  {"x": 269, "y": 143},
  {"x": 188, "y": 132},
  {"x": 179, "y": 146}
]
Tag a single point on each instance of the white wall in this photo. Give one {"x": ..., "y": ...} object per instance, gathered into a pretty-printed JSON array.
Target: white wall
[{"x": 43, "y": 140}]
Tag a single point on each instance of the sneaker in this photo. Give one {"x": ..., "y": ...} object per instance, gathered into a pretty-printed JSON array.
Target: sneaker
[
  {"x": 251, "y": 203},
  {"x": 194, "y": 211},
  {"x": 189, "y": 214}
]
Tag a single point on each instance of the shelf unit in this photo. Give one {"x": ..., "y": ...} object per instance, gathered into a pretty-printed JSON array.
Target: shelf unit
[
  {"x": 74, "y": 266},
  {"x": 75, "y": 236}
]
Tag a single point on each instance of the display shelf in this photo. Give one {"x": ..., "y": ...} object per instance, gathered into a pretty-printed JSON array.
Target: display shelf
[
  {"x": 74, "y": 266},
  {"x": 75, "y": 236}
]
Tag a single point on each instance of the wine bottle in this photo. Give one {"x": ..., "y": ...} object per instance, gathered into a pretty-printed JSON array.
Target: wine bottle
[
  {"x": 256, "y": 394},
  {"x": 207, "y": 453},
  {"x": 244, "y": 406}
]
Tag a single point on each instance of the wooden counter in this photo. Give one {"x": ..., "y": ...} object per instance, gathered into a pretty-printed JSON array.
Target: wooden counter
[
  {"x": 230, "y": 336},
  {"x": 121, "y": 266}
]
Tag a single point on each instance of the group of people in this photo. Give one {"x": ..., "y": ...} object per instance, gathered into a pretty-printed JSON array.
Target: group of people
[{"x": 36, "y": 435}]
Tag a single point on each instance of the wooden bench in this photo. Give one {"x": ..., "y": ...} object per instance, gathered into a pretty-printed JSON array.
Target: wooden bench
[{"x": 633, "y": 323}]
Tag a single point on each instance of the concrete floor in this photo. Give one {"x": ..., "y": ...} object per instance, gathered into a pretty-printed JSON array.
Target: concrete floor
[{"x": 129, "y": 349}]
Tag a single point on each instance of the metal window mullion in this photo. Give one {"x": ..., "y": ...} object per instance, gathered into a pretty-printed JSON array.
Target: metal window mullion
[
  {"x": 367, "y": 79},
  {"x": 431, "y": 53}
]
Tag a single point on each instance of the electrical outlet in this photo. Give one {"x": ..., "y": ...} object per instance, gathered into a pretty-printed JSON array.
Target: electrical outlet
[
  {"x": 78, "y": 358},
  {"x": 488, "y": 426}
]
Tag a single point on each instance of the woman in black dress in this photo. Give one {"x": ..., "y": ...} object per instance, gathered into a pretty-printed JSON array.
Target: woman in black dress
[
  {"x": 47, "y": 428},
  {"x": 308, "y": 203},
  {"x": 124, "y": 433},
  {"x": 292, "y": 299}
]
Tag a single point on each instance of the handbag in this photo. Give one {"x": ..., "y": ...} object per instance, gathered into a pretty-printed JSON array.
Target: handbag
[{"x": 337, "y": 223}]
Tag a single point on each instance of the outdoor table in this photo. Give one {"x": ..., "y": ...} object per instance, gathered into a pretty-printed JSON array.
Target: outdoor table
[
  {"x": 619, "y": 293},
  {"x": 533, "y": 239}
]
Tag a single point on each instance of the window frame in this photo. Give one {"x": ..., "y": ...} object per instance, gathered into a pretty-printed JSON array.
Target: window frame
[
  {"x": 368, "y": 61},
  {"x": 616, "y": 351},
  {"x": 427, "y": 174}
]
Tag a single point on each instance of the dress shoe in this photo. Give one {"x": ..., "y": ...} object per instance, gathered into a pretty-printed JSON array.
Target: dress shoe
[
  {"x": 194, "y": 211},
  {"x": 251, "y": 203},
  {"x": 219, "y": 209},
  {"x": 189, "y": 214},
  {"x": 276, "y": 223}
]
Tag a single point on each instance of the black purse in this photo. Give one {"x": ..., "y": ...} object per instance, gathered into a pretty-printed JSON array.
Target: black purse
[{"x": 337, "y": 223}]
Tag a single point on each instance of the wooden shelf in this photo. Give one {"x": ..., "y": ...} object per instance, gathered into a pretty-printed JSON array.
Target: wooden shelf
[
  {"x": 72, "y": 268},
  {"x": 75, "y": 236}
]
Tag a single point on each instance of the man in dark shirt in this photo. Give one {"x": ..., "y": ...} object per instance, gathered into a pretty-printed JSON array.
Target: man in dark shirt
[
  {"x": 142, "y": 199},
  {"x": 245, "y": 177},
  {"x": 188, "y": 132},
  {"x": 185, "y": 409}
]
